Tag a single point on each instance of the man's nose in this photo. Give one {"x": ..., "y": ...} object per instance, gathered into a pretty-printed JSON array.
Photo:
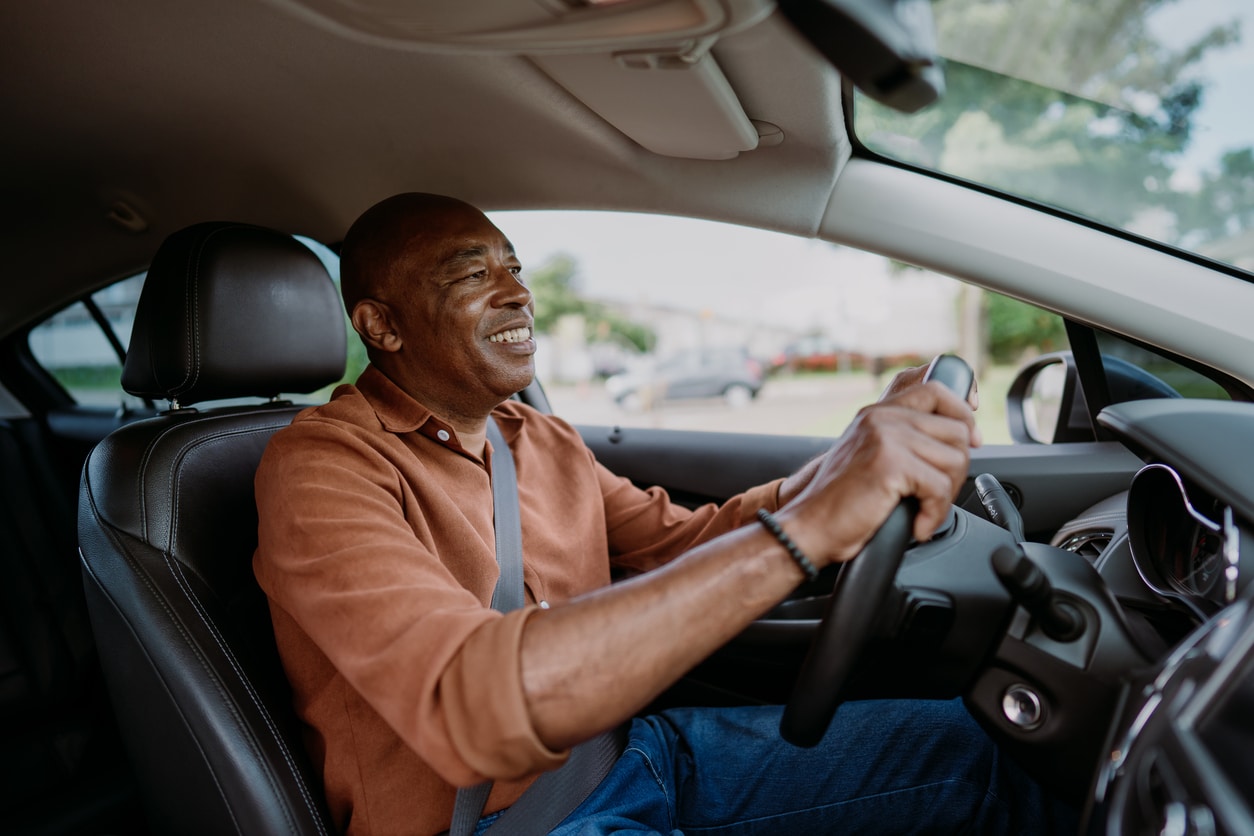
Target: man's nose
[{"x": 511, "y": 290}]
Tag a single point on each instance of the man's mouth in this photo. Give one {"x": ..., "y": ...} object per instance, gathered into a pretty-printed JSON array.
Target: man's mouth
[{"x": 513, "y": 335}]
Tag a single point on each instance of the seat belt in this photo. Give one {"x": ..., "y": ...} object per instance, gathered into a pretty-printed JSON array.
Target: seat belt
[{"x": 555, "y": 794}]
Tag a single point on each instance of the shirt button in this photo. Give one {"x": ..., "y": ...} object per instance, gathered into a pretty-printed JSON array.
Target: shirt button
[
  {"x": 544, "y": 605},
  {"x": 442, "y": 435}
]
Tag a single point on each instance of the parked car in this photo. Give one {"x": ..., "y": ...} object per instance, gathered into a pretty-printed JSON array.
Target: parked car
[
  {"x": 1093, "y": 160},
  {"x": 727, "y": 373}
]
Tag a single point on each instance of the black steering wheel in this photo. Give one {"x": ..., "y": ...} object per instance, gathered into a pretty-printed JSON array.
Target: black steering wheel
[{"x": 862, "y": 585}]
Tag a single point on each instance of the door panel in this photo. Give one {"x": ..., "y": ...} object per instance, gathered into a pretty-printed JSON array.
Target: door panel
[{"x": 1051, "y": 483}]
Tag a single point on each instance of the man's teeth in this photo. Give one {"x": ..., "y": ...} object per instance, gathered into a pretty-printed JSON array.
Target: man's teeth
[{"x": 514, "y": 335}]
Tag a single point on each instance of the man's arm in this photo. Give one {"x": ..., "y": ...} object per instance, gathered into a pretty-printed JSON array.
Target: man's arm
[{"x": 592, "y": 663}]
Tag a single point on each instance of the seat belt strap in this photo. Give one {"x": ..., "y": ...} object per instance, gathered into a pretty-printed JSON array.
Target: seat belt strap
[
  {"x": 555, "y": 794},
  {"x": 507, "y": 519}
]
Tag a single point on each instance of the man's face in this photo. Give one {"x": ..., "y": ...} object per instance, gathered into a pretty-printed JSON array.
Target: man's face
[{"x": 463, "y": 314}]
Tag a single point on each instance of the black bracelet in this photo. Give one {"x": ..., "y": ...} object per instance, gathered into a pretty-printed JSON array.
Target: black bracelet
[{"x": 772, "y": 525}]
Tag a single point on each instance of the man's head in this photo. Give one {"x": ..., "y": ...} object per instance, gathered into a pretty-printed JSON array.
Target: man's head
[{"x": 433, "y": 289}]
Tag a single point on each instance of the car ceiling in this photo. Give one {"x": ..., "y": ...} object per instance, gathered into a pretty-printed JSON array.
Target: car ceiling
[{"x": 128, "y": 120}]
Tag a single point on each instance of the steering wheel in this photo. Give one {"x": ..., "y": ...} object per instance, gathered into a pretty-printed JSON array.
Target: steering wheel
[{"x": 863, "y": 583}]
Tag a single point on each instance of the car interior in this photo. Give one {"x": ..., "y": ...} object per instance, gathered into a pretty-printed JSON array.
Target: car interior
[{"x": 1088, "y": 597}]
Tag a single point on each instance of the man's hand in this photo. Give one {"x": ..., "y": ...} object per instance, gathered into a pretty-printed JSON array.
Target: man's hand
[
  {"x": 912, "y": 376},
  {"x": 914, "y": 442}
]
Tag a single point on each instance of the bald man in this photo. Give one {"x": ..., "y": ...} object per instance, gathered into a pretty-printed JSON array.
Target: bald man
[{"x": 377, "y": 552}]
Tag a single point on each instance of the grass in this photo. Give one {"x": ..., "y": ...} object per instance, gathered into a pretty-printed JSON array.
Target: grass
[{"x": 990, "y": 417}]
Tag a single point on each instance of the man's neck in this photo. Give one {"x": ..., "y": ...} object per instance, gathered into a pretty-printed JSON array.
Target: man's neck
[{"x": 468, "y": 420}]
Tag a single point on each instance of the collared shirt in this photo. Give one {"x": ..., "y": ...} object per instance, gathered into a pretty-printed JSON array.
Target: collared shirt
[{"x": 377, "y": 552}]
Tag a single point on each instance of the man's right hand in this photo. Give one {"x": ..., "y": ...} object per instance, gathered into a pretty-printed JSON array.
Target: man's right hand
[{"x": 914, "y": 442}]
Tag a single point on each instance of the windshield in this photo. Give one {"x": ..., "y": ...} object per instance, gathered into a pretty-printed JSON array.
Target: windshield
[{"x": 1133, "y": 113}]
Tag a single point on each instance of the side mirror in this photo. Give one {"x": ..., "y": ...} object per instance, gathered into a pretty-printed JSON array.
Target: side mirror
[{"x": 1045, "y": 403}]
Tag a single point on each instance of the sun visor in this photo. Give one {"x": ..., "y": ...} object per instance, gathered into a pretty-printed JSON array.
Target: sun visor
[
  {"x": 644, "y": 66},
  {"x": 672, "y": 104},
  {"x": 532, "y": 26}
]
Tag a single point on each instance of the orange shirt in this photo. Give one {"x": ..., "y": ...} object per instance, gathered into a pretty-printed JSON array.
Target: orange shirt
[{"x": 376, "y": 549}]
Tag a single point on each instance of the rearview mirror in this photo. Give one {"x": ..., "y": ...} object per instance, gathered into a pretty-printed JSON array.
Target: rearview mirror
[{"x": 886, "y": 48}]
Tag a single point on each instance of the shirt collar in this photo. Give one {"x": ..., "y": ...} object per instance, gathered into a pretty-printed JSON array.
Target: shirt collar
[{"x": 399, "y": 413}]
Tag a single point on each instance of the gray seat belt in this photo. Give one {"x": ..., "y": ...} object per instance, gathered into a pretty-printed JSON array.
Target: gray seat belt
[{"x": 555, "y": 794}]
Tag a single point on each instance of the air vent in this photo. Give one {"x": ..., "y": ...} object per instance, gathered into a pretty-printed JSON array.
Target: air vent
[{"x": 1088, "y": 544}]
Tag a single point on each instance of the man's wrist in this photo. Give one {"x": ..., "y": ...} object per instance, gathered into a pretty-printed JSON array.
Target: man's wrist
[{"x": 794, "y": 551}]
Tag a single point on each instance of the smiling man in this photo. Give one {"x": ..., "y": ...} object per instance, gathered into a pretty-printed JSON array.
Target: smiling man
[{"x": 377, "y": 551}]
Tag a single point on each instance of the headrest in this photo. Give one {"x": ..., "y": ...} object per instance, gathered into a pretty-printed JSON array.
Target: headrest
[{"x": 230, "y": 310}]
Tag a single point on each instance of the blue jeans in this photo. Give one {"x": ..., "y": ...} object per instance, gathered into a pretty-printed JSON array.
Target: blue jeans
[{"x": 884, "y": 767}]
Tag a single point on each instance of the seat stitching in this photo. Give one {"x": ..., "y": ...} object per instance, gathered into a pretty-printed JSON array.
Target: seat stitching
[{"x": 176, "y": 569}]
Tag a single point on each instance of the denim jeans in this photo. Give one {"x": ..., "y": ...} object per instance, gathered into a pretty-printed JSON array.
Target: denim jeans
[{"x": 884, "y": 767}]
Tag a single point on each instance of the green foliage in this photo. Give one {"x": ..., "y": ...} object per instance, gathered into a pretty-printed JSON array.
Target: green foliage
[
  {"x": 1100, "y": 131},
  {"x": 555, "y": 285},
  {"x": 357, "y": 360},
  {"x": 1016, "y": 327},
  {"x": 108, "y": 376},
  {"x": 1223, "y": 205},
  {"x": 556, "y": 293}
]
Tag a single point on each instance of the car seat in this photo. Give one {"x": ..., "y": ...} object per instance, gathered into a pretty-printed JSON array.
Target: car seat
[{"x": 168, "y": 525}]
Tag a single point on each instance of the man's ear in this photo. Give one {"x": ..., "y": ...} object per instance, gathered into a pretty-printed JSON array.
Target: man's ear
[{"x": 372, "y": 319}]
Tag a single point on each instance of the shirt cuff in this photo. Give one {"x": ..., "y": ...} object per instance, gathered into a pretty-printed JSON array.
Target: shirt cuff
[
  {"x": 486, "y": 710},
  {"x": 762, "y": 496}
]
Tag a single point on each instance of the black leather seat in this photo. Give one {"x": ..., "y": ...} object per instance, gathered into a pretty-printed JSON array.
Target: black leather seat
[{"x": 168, "y": 525}]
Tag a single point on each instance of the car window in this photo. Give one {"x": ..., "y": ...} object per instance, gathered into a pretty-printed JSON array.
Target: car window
[
  {"x": 1131, "y": 114},
  {"x": 82, "y": 346},
  {"x": 706, "y": 334},
  {"x": 1134, "y": 372}
]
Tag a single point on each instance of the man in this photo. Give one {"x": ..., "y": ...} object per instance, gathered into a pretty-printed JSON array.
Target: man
[{"x": 377, "y": 552}]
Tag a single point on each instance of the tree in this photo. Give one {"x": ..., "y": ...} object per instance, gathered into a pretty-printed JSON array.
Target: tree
[
  {"x": 1076, "y": 105},
  {"x": 1106, "y": 114},
  {"x": 1015, "y": 328},
  {"x": 1223, "y": 204},
  {"x": 555, "y": 285}
]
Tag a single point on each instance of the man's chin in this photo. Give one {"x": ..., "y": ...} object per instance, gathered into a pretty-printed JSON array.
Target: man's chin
[{"x": 518, "y": 382}]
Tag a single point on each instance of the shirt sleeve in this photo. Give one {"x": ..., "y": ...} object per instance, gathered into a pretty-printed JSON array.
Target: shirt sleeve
[
  {"x": 647, "y": 530},
  {"x": 337, "y": 554}
]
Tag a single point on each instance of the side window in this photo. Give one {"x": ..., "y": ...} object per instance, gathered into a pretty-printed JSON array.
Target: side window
[
  {"x": 82, "y": 346},
  {"x": 675, "y": 323},
  {"x": 1133, "y": 373},
  {"x": 356, "y": 361}
]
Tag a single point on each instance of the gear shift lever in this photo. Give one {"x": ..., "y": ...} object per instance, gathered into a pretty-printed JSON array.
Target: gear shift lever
[{"x": 1029, "y": 587}]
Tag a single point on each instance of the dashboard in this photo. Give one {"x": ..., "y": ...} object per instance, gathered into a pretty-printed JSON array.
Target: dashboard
[{"x": 1180, "y": 756}]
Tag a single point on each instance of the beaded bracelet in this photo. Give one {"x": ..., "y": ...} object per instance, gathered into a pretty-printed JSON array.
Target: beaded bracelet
[{"x": 772, "y": 525}]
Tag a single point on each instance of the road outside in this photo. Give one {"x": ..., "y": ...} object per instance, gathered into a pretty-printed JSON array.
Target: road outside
[{"x": 818, "y": 405}]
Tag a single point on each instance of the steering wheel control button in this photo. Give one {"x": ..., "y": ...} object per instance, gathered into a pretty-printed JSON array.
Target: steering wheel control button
[{"x": 1022, "y": 707}]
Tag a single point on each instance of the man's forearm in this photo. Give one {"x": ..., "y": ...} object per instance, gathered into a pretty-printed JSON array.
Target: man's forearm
[{"x": 590, "y": 664}]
